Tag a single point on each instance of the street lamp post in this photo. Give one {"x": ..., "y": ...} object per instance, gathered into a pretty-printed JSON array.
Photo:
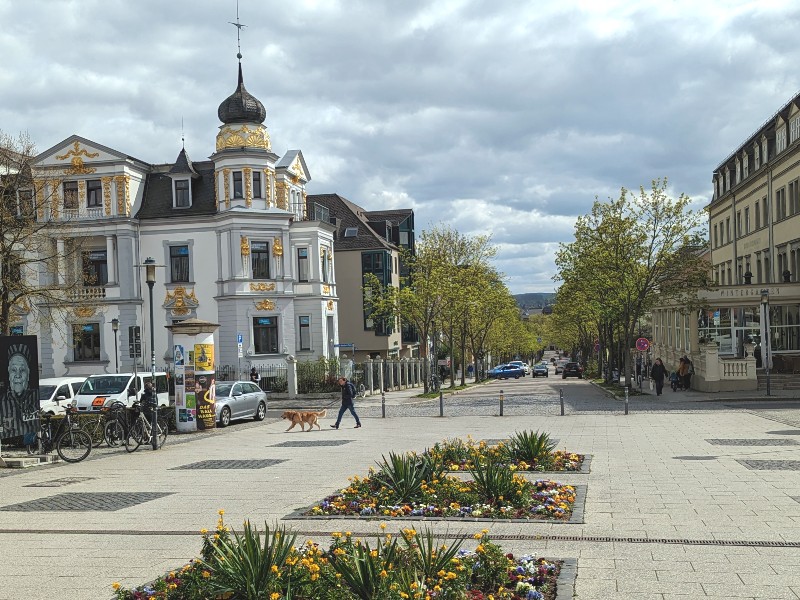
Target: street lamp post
[
  {"x": 150, "y": 278},
  {"x": 115, "y": 327},
  {"x": 765, "y": 343}
]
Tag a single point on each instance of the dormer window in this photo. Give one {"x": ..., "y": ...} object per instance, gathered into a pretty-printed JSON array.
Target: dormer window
[
  {"x": 780, "y": 140},
  {"x": 746, "y": 159},
  {"x": 756, "y": 157},
  {"x": 794, "y": 129},
  {"x": 351, "y": 232},
  {"x": 238, "y": 189},
  {"x": 764, "y": 151},
  {"x": 182, "y": 196}
]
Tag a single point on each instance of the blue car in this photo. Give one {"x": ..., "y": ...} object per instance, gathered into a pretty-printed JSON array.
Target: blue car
[{"x": 507, "y": 371}]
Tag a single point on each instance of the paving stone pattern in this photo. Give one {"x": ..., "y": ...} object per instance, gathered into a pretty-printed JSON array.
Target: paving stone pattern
[
  {"x": 63, "y": 481},
  {"x": 755, "y": 442},
  {"x": 86, "y": 502},
  {"x": 310, "y": 443},
  {"x": 695, "y": 457},
  {"x": 231, "y": 464},
  {"x": 770, "y": 465}
]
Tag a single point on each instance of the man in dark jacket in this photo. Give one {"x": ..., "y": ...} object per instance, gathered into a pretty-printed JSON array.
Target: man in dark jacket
[
  {"x": 657, "y": 374},
  {"x": 348, "y": 394}
]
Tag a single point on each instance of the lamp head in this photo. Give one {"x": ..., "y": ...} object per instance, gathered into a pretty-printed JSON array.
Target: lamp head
[
  {"x": 764, "y": 296},
  {"x": 150, "y": 269},
  {"x": 115, "y": 324}
]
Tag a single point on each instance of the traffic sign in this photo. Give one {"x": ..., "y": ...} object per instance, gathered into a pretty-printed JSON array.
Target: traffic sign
[
  {"x": 343, "y": 345},
  {"x": 239, "y": 339},
  {"x": 241, "y": 352},
  {"x": 642, "y": 344}
]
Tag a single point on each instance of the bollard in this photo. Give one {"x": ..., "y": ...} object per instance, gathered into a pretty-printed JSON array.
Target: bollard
[
  {"x": 626, "y": 399},
  {"x": 383, "y": 405},
  {"x": 501, "y": 403},
  {"x": 441, "y": 404},
  {"x": 561, "y": 398}
]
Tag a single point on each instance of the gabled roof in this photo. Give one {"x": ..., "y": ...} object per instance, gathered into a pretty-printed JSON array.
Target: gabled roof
[
  {"x": 87, "y": 142},
  {"x": 157, "y": 196},
  {"x": 350, "y": 215},
  {"x": 183, "y": 165},
  {"x": 395, "y": 217},
  {"x": 288, "y": 159}
]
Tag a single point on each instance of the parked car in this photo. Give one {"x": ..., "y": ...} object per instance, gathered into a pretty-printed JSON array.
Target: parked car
[
  {"x": 560, "y": 365},
  {"x": 541, "y": 370},
  {"x": 239, "y": 400},
  {"x": 56, "y": 393},
  {"x": 572, "y": 369},
  {"x": 98, "y": 391},
  {"x": 522, "y": 364},
  {"x": 507, "y": 371}
]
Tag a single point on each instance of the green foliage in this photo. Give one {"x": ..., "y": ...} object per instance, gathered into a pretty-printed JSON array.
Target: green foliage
[
  {"x": 532, "y": 447},
  {"x": 495, "y": 482},
  {"x": 404, "y": 474},
  {"x": 365, "y": 570},
  {"x": 318, "y": 376}
]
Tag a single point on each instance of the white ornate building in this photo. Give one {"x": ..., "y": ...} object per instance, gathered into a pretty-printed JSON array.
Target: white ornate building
[{"x": 231, "y": 232}]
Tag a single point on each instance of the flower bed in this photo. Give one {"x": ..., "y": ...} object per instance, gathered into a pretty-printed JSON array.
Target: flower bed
[
  {"x": 411, "y": 565},
  {"x": 524, "y": 451}
]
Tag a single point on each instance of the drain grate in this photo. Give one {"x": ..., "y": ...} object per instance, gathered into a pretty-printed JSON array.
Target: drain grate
[
  {"x": 231, "y": 464},
  {"x": 770, "y": 465},
  {"x": 753, "y": 442},
  {"x": 694, "y": 458},
  {"x": 309, "y": 443},
  {"x": 59, "y": 482},
  {"x": 87, "y": 502}
]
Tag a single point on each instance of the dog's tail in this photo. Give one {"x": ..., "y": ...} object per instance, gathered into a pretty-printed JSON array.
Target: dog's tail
[{"x": 322, "y": 412}]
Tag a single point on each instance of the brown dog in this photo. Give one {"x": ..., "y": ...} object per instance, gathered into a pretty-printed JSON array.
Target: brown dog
[{"x": 303, "y": 417}]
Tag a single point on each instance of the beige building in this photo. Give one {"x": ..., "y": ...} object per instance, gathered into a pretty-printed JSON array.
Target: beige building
[{"x": 754, "y": 251}]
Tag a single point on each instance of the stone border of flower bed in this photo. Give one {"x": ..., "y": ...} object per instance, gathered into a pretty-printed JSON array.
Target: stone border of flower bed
[
  {"x": 567, "y": 576},
  {"x": 586, "y": 468},
  {"x": 576, "y": 518}
]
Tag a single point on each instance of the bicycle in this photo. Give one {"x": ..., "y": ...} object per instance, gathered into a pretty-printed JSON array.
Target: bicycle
[
  {"x": 140, "y": 431},
  {"x": 117, "y": 425},
  {"x": 71, "y": 442},
  {"x": 95, "y": 425}
]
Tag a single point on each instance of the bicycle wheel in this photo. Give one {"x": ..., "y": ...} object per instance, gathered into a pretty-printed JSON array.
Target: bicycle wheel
[
  {"x": 114, "y": 434},
  {"x": 135, "y": 436},
  {"x": 74, "y": 445},
  {"x": 163, "y": 430}
]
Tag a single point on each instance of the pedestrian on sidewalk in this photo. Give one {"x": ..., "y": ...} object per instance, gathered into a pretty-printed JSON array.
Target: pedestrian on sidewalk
[
  {"x": 254, "y": 376},
  {"x": 687, "y": 369},
  {"x": 657, "y": 374},
  {"x": 348, "y": 394}
]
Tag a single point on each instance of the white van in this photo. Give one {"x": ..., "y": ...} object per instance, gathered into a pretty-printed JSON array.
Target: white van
[
  {"x": 58, "y": 392},
  {"x": 103, "y": 390}
]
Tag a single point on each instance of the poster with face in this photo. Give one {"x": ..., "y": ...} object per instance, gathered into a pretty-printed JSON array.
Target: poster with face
[{"x": 19, "y": 386}]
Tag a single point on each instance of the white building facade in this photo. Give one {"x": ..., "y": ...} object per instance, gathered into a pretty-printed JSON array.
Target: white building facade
[{"x": 232, "y": 237}]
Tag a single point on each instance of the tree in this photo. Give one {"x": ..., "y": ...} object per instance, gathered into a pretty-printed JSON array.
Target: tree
[
  {"x": 36, "y": 274},
  {"x": 631, "y": 253}
]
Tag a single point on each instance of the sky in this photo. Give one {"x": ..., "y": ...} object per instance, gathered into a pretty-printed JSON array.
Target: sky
[{"x": 491, "y": 117}]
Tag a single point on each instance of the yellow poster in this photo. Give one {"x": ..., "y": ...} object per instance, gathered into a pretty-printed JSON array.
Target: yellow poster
[{"x": 204, "y": 357}]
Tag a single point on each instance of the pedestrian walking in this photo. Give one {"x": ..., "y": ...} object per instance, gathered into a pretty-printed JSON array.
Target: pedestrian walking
[
  {"x": 688, "y": 368},
  {"x": 348, "y": 395},
  {"x": 657, "y": 374}
]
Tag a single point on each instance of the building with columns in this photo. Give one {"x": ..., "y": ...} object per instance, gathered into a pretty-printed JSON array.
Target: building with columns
[
  {"x": 754, "y": 254},
  {"x": 231, "y": 233}
]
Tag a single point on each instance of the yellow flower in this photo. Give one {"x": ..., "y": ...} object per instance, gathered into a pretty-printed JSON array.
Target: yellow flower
[
  {"x": 275, "y": 596},
  {"x": 220, "y": 512},
  {"x": 116, "y": 586},
  {"x": 383, "y": 525},
  {"x": 274, "y": 568},
  {"x": 206, "y": 574},
  {"x": 204, "y": 531}
]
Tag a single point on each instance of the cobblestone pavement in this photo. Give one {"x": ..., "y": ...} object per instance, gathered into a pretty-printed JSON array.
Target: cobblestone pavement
[{"x": 685, "y": 498}]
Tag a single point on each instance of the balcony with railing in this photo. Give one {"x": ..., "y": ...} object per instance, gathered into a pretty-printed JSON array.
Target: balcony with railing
[{"x": 79, "y": 294}]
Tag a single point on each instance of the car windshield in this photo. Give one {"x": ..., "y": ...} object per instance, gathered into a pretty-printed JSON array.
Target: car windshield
[
  {"x": 108, "y": 384},
  {"x": 223, "y": 389},
  {"x": 46, "y": 391}
]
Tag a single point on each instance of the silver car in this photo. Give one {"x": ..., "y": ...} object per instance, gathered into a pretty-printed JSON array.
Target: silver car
[{"x": 238, "y": 400}]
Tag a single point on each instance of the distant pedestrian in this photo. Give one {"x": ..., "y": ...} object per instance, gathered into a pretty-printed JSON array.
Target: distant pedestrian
[
  {"x": 687, "y": 370},
  {"x": 348, "y": 395},
  {"x": 639, "y": 368},
  {"x": 657, "y": 374},
  {"x": 470, "y": 370},
  {"x": 254, "y": 376}
]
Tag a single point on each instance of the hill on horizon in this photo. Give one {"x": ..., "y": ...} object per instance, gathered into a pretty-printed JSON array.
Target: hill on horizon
[{"x": 534, "y": 299}]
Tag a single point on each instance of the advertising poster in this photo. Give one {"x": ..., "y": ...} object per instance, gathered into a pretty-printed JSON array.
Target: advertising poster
[
  {"x": 180, "y": 387},
  {"x": 191, "y": 403},
  {"x": 204, "y": 358},
  {"x": 19, "y": 386},
  {"x": 204, "y": 399}
]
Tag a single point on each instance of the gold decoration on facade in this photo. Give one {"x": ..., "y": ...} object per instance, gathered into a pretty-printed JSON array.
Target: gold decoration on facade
[
  {"x": 180, "y": 301},
  {"x": 297, "y": 168},
  {"x": 123, "y": 195},
  {"x": 244, "y": 243},
  {"x": 248, "y": 186},
  {"x": 84, "y": 312},
  {"x": 262, "y": 287},
  {"x": 265, "y": 305},
  {"x": 77, "y": 166},
  {"x": 107, "y": 194},
  {"x": 233, "y": 137},
  {"x": 226, "y": 180},
  {"x": 81, "y": 191},
  {"x": 305, "y": 206},
  {"x": 330, "y": 304},
  {"x": 38, "y": 186},
  {"x": 326, "y": 289},
  {"x": 295, "y": 179},
  {"x": 282, "y": 195},
  {"x": 330, "y": 256},
  {"x": 216, "y": 190},
  {"x": 277, "y": 247},
  {"x": 21, "y": 307},
  {"x": 268, "y": 187},
  {"x": 55, "y": 201}
]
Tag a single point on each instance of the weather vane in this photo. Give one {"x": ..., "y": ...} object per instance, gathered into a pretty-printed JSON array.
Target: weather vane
[{"x": 238, "y": 32}]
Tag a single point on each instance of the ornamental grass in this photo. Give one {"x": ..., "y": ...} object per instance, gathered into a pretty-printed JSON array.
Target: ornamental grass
[
  {"x": 256, "y": 565},
  {"x": 523, "y": 451}
]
